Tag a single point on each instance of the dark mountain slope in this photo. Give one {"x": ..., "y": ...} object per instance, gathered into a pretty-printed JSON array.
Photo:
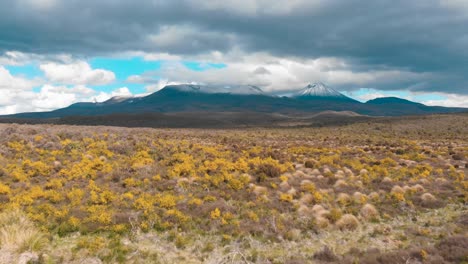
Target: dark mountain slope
[
  {"x": 394, "y": 106},
  {"x": 206, "y": 100}
]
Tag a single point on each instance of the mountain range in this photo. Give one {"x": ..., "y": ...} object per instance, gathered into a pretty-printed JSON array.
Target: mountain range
[{"x": 210, "y": 99}]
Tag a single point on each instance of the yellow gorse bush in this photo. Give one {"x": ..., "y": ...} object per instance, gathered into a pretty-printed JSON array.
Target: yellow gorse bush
[{"x": 222, "y": 182}]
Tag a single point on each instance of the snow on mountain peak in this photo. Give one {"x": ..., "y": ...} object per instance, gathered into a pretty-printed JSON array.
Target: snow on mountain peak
[{"x": 318, "y": 90}]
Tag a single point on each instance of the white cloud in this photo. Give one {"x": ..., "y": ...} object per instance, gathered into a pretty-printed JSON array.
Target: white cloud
[
  {"x": 48, "y": 98},
  {"x": 51, "y": 97},
  {"x": 279, "y": 74},
  {"x": 14, "y": 58},
  {"x": 123, "y": 91},
  {"x": 76, "y": 73},
  {"x": 450, "y": 100},
  {"x": 10, "y": 82},
  {"x": 136, "y": 79},
  {"x": 159, "y": 84},
  {"x": 102, "y": 96},
  {"x": 17, "y": 58},
  {"x": 152, "y": 84},
  {"x": 66, "y": 83},
  {"x": 10, "y": 97},
  {"x": 160, "y": 57},
  {"x": 273, "y": 73}
]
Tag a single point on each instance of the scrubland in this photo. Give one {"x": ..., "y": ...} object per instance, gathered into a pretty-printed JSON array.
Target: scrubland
[{"x": 371, "y": 192}]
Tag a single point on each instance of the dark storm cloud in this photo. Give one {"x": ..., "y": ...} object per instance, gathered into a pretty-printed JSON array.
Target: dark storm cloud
[{"x": 425, "y": 36}]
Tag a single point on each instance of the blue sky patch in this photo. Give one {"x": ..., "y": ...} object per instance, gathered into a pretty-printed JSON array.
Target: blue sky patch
[
  {"x": 123, "y": 68},
  {"x": 29, "y": 70}
]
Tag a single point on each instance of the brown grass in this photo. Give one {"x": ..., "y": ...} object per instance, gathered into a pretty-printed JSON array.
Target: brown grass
[{"x": 247, "y": 195}]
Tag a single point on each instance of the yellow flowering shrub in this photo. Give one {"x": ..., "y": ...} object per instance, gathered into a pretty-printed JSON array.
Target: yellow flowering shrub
[
  {"x": 141, "y": 158},
  {"x": 286, "y": 197},
  {"x": 99, "y": 214},
  {"x": 166, "y": 200},
  {"x": 75, "y": 196},
  {"x": 215, "y": 214},
  {"x": 4, "y": 189},
  {"x": 116, "y": 183}
]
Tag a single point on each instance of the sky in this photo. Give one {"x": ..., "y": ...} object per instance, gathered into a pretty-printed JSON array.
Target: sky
[{"x": 57, "y": 52}]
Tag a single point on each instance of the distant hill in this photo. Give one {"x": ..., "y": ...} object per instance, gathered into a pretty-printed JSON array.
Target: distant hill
[
  {"x": 210, "y": 99},
  {"x": 394, "y": 106}
]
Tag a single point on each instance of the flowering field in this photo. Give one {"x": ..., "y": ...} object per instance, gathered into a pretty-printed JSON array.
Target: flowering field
[{"x": 377, "y": 192}]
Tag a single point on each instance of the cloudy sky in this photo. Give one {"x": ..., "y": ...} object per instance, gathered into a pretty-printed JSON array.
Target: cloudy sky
[{"x": 57, "y": 52}]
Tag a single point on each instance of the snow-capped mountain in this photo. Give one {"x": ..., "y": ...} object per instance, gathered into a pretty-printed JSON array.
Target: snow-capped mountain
[
  {"x": 318, "y": 90},
  {"x": 191, "y": 98}
]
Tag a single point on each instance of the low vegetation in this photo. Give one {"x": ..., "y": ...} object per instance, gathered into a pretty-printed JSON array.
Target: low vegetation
[{"x": 377, "y": 192}]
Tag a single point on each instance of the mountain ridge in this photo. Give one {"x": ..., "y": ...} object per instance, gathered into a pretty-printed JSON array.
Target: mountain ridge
[{"x": 314, "y": 98}]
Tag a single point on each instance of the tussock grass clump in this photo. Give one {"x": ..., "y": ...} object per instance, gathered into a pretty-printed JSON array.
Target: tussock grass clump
[
  {"x": 340, "y": 174},
  {"x": 334, "y": 215},
  {"x": 428, "y": 198},
  {"x": 406, "y": 188},
  {"x": 304, "y": 210},
  {"x": 315, "y": 172},
  {"x": 347, "y": 222},
  {"x": 258, "y": 190},
  {"x": 284, "y": 186},
  {"x": 19, "y": 234},
  {"x": 374, "y": 196},
  {"x": 417, "y": 188},
  {"x": 340, "y": 184},
  {"x": 369, "y": 212},
  {"x": 343, "y": 199},
  {"x": 292, "y": 191},
  {"x": 307, "y": 198},
  {"x": 430, "y": 201},
  {"x": 348, "y": 171},
  {"x": 387, "y": 180},
  {"x": 441, "y": 181},
  {"x": 122, "y": 195},
  {"x": 397, "y": 190},
  {"x": 299, "y": 174},
  {"x": 269, "y": 169},
  {"x": 359, "y": 197},
  {"x": 318, "y": 209},
  {"x": 322, "y": 222}
]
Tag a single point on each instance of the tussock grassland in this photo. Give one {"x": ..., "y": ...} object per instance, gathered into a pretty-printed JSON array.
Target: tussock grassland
[{"x": 377, "y": 192}]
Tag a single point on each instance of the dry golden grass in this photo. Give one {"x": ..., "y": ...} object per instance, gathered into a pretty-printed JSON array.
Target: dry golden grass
[
  {"x": 19, "y": 234},
  {"x": 118, "y": 195}
]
